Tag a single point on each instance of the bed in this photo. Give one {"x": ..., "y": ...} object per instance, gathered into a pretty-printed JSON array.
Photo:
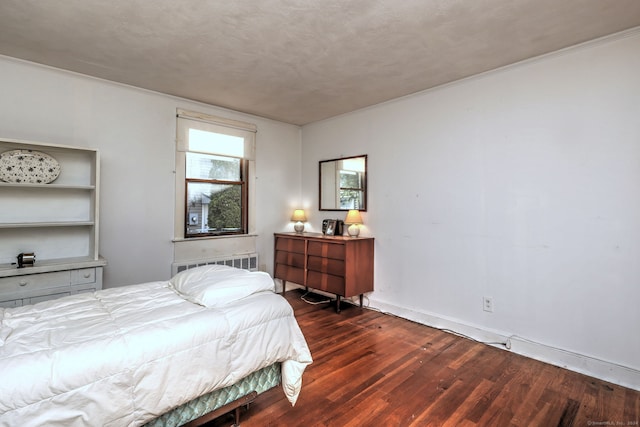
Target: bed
[{"x": 149, "y": 353}]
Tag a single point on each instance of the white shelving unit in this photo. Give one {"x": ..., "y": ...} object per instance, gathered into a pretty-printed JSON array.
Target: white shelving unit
[{"x": 58, "y": 222}]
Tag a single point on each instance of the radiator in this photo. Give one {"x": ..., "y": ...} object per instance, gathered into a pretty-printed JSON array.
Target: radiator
[{"x": 244, "y": 261}]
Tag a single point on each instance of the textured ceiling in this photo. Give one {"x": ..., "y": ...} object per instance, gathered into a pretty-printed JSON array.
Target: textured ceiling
[{"x": 298, "y": 61}]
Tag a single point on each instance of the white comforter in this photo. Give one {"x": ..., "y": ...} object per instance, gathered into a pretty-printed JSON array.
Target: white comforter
[{"x": 123, "y": 356}]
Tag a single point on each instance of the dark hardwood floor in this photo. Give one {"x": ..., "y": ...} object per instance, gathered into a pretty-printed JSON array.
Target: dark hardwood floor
[{"x": 372, "y": 369}]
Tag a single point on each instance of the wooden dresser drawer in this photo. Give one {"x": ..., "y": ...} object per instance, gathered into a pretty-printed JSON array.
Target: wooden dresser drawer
[
  {"x": 290, "y": 258},
  {"x": 326, "y": 282},
  {"x": 290, "y": 274},
  {"x": 326, "y": 265},
  {"x": 290, "y": 245},
  {"x": 327, "y": 250}
]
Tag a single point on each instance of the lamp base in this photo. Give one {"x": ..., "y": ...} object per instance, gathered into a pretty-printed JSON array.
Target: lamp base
[
  {"x": 353, "y": 230},
  {"x": 299, "y": 227}
]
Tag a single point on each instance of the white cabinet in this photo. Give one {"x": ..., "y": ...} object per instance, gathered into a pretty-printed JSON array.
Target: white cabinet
[
  {"x": 58, "y": 222},
  {"x": 30, "y": 288}
]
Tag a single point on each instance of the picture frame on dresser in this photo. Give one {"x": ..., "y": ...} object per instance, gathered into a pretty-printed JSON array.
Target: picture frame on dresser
[{"x": 331, "y": 227}]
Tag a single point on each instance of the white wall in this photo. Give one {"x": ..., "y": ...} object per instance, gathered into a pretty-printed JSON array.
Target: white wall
[
  {"x": 134, "y": 130},
  {"x": 523, "y": 185}
]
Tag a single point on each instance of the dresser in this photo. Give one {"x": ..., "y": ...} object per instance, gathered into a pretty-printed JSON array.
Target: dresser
[{"x": 339, "y": 265}]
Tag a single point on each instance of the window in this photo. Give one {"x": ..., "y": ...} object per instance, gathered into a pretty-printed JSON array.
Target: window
[
  {"x": 216, "y": 195},
  {"x": 214, "y": 159}
]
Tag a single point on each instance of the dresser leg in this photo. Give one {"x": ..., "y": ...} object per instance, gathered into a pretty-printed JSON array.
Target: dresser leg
[
  {"x": 284, "y": 285},
  {"x": 338, "y": 304},
  {"x": 361, "y": 299}
]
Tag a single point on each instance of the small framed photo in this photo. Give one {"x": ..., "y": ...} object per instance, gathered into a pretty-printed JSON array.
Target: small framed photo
[{"x": 331, "y": 227}]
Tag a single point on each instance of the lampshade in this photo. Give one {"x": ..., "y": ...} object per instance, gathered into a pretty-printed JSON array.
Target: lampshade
[
  {"x": 353, "y": 217},
  {"x": 298, "y": 215}
]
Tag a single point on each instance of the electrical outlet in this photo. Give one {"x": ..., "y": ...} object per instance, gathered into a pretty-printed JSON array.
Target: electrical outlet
[{"x": 487, "y": 304}]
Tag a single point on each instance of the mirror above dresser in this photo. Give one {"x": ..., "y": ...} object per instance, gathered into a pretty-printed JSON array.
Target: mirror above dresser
[{"x": 343, "y": 184}]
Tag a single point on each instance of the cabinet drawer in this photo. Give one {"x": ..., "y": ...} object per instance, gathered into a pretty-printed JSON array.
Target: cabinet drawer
[
  {"x": 290, "y": 245},
  {"x": 290, "y": 258},
  {"x": 326, "y": 282},
  {"x": 83, "y": 276},
  {"x": 326, "y": 265},
  {"x": 35, "y": 300},
  {"x": 34, "y": 282},
  {"x": 11, "y": 303},
  {"x": 290, "y": 274},
  {"x": 327, "y": 250}
]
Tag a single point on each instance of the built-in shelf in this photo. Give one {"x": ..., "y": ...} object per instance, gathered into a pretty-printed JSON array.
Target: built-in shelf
[
  {"x": 47, "y": 224},
  {"x": 58, "y": 222},
  {"x": 47, "y": 186}
]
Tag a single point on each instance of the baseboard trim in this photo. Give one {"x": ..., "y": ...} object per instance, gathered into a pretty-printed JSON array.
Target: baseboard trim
[
  {"x": 587, "y": 365},
  {"x": 601, "y": 369}
]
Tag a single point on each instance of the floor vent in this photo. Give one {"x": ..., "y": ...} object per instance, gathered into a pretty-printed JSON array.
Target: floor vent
[{"x": 244, "y": 261}]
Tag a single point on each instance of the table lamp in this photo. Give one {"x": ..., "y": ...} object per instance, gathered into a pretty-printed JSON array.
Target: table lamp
[
  {"x": 353, "y": 219},
  {"x": 299, "y": 217}
]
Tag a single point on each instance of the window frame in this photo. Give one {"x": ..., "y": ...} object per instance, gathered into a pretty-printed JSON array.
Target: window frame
[
  {"x": 192, "y": 120},
  {"x": 243, "y": 196}
]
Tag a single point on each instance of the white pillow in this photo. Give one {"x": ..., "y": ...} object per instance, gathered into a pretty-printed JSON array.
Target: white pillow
[{"x": 218, "y": 285}]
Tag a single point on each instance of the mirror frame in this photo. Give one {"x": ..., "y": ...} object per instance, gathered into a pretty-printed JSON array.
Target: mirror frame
[{"x": 365, "y": 184}]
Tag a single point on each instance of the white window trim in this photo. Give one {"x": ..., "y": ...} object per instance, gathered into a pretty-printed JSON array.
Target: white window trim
[{"x": 211, "y": 123}]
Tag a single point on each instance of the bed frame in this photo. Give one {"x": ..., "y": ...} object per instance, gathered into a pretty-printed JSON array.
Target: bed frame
[{"x": 212, "y": 405}]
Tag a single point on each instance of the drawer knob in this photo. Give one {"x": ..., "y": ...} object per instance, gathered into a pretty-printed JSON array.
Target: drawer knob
[
  {"x": 87, "y": 275},
  {"x": 23, "y": 283}
]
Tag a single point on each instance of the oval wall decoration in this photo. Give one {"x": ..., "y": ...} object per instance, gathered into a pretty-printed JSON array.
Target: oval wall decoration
[{"x": 28, "y": 167}]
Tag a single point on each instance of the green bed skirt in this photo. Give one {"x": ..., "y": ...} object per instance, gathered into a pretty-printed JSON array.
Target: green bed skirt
[{"x": 259, "y": 381}]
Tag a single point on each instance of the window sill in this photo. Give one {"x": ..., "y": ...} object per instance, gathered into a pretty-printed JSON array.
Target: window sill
[
  {"x": 213, "y": 247},
  {"x": 226, "y": 236}
]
